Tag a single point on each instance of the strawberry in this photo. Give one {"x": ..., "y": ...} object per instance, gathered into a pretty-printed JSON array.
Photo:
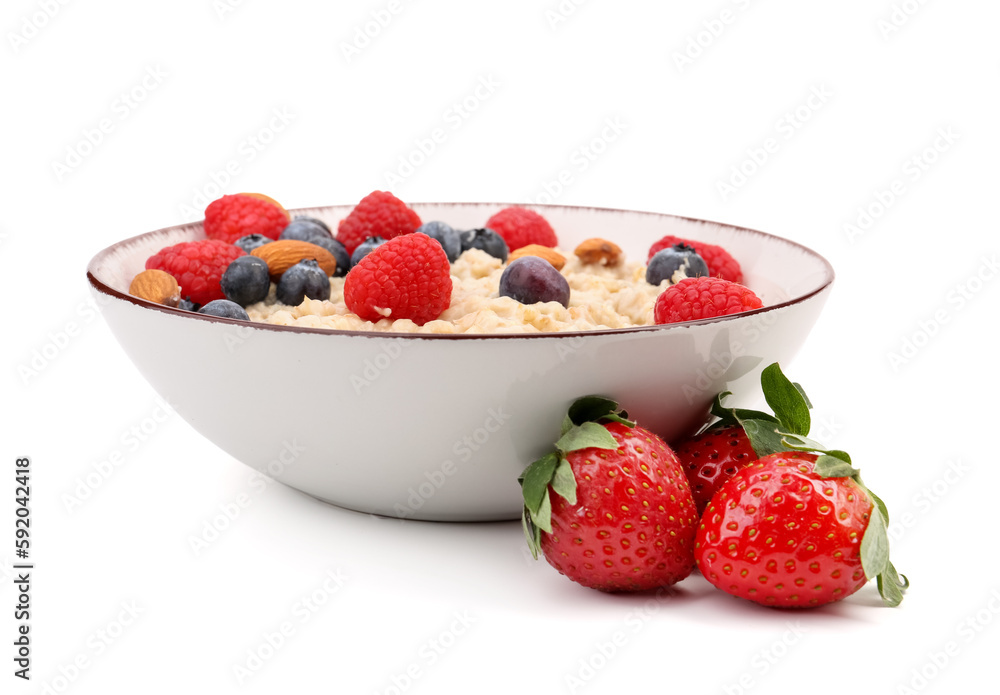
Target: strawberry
[
  {"x": 713, "y": 455},
  {"x": 710, "y": 458},
  {"x": 796, "y": 529},
  {"x": 610, "y": 508}
]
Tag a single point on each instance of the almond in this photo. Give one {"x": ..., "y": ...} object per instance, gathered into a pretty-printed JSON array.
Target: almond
[
  {"x": 283, "y": 254},
  {"x": 156, "y": 286},
  {"x": 544, "y": 252},
  {"x": 599, "y": 251},
  {"x": 269, "y": 199}
]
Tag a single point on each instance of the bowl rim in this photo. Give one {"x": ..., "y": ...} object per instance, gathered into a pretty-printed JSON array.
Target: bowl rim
[{"x": 104, "y": 288}]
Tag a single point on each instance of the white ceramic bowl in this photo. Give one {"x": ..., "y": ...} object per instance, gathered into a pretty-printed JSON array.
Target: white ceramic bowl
[{"x": 438, "y": 427}]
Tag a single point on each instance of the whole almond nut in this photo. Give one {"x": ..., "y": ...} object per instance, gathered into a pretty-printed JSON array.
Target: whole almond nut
[
  {"x": 283, "y": 254},
  {"x": 156, "y": 286},
  {"x": 599, "y": 251},
  {"x": 544, "y": 252},
  {"x": 269, "y": 199}
]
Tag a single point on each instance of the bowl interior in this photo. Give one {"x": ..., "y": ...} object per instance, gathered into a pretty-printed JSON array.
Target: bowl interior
[{"x": 778, "y": 270}]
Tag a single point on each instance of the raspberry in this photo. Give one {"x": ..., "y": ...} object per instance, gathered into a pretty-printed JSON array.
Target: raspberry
[
  {"x": 405, "y": 278},
  {"x": 720, "y": 263},
  {"x": 520, "y": 227},
  {"x": 702, "y": 298},
  {"x": 378, "y": 214},
  {"x": 234, "y": 216},
  {"x": 197, "y": 266}
]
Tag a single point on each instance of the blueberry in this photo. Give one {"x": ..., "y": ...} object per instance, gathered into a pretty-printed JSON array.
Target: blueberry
[
  {"x": 316, "y": 221},
  {"x": 338, "y": 251},
  {"x": 251, "y": 241},
  {"x": 187, "y": 305},
  {"x": 531, "y": 279},
  {"x": 223, "y": 308},
  {"x": 487, "y": 240},
  {"x": 445, "y": 235},
  {"x": 305, "y": 229},
  {"x": 246, "y": 280},
  {"x": 304, "y": 279},
  {"x": 668, "y": 261},
  {"x": 366, "y": 247}
]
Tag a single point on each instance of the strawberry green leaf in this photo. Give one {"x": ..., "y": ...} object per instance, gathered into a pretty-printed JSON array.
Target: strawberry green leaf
[
  {"x": 535, "y": 482},
  {"x": 735, "y": 416},
  {"x": 594, "y": 409},
  {"x": 875, "y": 551},
  {"x": 797, "y": 442},
  {"x": 875, "y": 546},
  {"x": 563, "y": 482},
  {"x": 542, "y": 518},
  {"x": 720, "y": 411},
  {"x": 745, "y": 414},
  {"x": 878, "y": 503},
  {"x": 828, "y": 466},
  {"x": 891, "y": 587},
  {"x": 531, "y": 533},
  {"x": 585, "y": 436},
  {"x": 787, "y": 401},
  {"x": 764, "y": 436},
  {"x": 837, "y": 453},
  {"x": 621, "y": 416},
  {"x": 567, "y": 425},
  {"x": 803, "y": 392},
  {"x": 591, "y": 409}
]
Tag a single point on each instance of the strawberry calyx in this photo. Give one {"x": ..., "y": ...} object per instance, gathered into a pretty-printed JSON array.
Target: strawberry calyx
[
  {"x": 581, "y": 429},
  {"x": 786, "y": 398}
]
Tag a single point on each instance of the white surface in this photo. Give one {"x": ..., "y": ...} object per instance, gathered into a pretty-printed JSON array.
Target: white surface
[{"x": 922, "y": 431}]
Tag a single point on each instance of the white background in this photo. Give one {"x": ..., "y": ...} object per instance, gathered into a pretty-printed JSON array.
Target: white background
[{"x": 900, "y": 365}]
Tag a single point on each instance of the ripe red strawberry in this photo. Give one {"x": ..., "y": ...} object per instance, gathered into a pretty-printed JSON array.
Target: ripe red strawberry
[
  {"x": 234, "y": 216},
  {"x": 702, "y": 298},
  {"x": 197, "y": 266},
  {"x": 779, "y": 534},
  {"x": 719, "y": 261},
  {"x": 711, "y": 458},
  {"x": 520, "y": 227},
  {"x": 379, "y": 213},
  {"x": 796, "y": 527},
  {"x": 408, "y": 277},
  {"x": 611, "y": 508}
]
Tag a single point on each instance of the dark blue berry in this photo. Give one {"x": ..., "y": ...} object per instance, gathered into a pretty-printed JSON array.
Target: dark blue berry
[
  {"x": 366, "y": 247},
  {"x": 445, "y": 235},
  {"x": 304, "y": 279},
  {"x": 187, "y": 305},
  {"x": 246, "y": 280},
  {"x": 338, "y": 251},
  {"x": 305, "y": 229},
  {"x": 252, "y": 241},
  {"x": 487, "y": 240},
  {"x": 223, "y": 308},
  {"x": 668, "y": 261},
  {"x": 316, "y": 221},
  {"x": 531, "y": 279}
]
